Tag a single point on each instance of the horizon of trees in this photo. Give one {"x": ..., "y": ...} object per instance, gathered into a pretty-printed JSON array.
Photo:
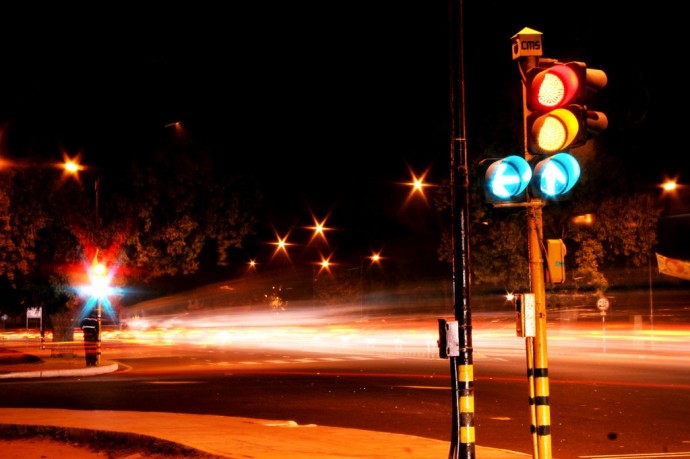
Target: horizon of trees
[{"x": 158, "y": 217}]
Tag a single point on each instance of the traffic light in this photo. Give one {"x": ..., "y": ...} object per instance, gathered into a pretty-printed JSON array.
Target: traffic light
[
  {"x": 555, "y": 261},
  {"x": 505, "y": 180},
  {"x": 555, "y": 176},
  {"x": 556, "y": 98},
  {"x": 557, "y": 119},
  {"x": 100, "y": 280}
]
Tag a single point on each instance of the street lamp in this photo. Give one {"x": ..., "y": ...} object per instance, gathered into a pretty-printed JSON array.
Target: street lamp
[
  {"x": 668, "y": 187},
  {"x": 374, "y": 259},
  {"x": 319, "y": 230},
  {"x": 73, "y": 167},
  {"x": 325, "y": 264},
  {"x": 281, "y": 244},
  {"x": 417, "y": 184}
]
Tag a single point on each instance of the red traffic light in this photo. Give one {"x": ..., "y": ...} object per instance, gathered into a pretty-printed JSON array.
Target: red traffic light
[
  {"x": 562, "y": 84},
  {"x": 554, "y": 87},
  {"x": 557, "y": 117}
]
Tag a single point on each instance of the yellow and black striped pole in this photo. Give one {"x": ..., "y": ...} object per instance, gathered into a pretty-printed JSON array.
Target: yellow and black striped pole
[
  {"x": 466, "y": 406},
  {"x": 540, "y": 373},
  {"x": 529, "y": 347}
]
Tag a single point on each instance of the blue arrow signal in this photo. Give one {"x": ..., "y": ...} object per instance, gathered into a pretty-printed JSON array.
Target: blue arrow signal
[
  {"x": 556, "y": 175},
  {"x": 507, "y": 178}
]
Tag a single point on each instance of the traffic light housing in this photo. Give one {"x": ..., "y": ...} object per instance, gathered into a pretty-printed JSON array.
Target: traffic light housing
[
  {"x": 557, "y": 117},
  {"x": 555, "y": 261},
  {"x": 508, "y": 180}
]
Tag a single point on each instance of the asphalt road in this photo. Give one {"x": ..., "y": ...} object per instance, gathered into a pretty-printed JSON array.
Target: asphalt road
[{"x": 616, "y": 387}]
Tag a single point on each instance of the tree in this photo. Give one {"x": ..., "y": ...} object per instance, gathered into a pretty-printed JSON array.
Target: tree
[
  {"x": 160, "y": 215},
  {"x": 22, "y": 218},
  {"x": 35, "y": 245},
  {"x": 622, "y": 234},
  {"x": 176, "y": 204}
]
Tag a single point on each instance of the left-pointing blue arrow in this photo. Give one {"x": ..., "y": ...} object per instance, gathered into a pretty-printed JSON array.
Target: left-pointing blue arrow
[{"x": 507, "y": 178}]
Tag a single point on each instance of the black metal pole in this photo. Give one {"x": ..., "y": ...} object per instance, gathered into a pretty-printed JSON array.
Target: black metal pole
[{"x": 462, "y": 371}]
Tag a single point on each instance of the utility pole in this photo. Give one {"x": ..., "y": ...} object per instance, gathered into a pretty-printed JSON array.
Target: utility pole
[{"x": 455, "y": 340}]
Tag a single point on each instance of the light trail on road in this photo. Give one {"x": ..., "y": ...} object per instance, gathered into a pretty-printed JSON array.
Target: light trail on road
[{"x": 415, "y": 336}]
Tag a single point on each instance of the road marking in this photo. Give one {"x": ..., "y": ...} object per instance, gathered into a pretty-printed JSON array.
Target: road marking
[
  {"x": 173, "y": 382},
  {"x": 639, "y": 456},
  {"x": 425, "y": 387}
]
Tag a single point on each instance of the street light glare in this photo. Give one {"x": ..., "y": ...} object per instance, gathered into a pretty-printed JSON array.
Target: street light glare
[
  {"x": 325, "y": 264},
  {"x": 319, "y": 229},
  {"x": 418, "y": 182},
  {"x": 72, "y": 167},
  {"x": 669, "y": 185},
  {"x": 417, "y": 185},
  {"x": 375, "y": 257},
  {"x": 584, "y": 219},
  {"x": 281, "y": 244}
]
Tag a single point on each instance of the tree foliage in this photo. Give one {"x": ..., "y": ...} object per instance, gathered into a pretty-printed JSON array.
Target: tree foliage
[
  {"x": 165, "y": 214},
  {"x": 622, "y": 233},
  {"x": 184, "y": 206}
]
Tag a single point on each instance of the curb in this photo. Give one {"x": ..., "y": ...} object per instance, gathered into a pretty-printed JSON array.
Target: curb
[
  {"x": 102, "y": 440},
  {"x": 88, "y": 371}
]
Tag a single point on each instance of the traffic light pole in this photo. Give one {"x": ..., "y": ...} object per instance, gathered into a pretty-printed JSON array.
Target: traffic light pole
[
  {"x": 538, "y": 367},
  {"x": 536, "y": 347},
  {"x": 556, "y": 117}
]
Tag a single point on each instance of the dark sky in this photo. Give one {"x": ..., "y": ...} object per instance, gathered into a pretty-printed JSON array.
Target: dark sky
[{"x": 328, "y": 104}]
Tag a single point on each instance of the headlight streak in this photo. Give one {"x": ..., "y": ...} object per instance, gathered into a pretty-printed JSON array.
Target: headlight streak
[{"x": 414, "y": 336}]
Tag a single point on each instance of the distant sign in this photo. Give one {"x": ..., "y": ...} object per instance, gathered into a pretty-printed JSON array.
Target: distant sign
[
  {"x": 34, "y": 313},
  {"x": 603, "y": 304}
]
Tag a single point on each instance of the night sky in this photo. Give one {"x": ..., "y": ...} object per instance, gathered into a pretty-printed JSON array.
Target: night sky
[{"x": 328, "y": 105}]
